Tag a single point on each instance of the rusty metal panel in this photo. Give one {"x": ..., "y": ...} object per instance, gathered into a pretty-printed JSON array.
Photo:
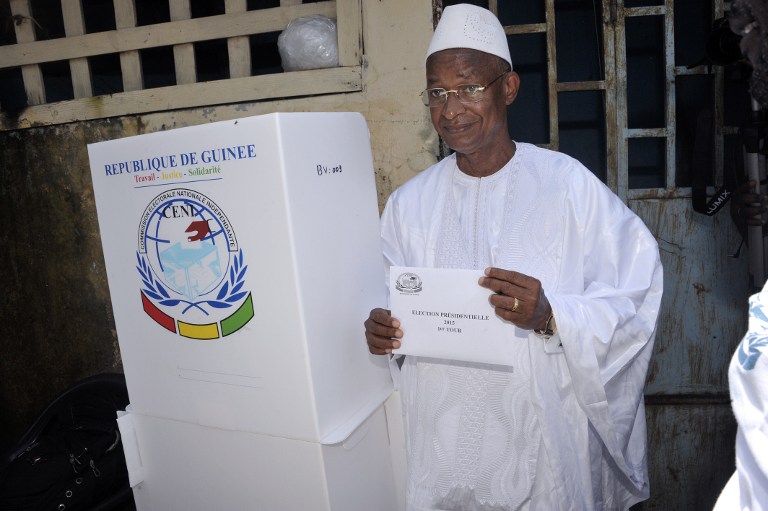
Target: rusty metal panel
[
  {"x": 691, "y": 452},
  {"x": 704, "y": 310}
]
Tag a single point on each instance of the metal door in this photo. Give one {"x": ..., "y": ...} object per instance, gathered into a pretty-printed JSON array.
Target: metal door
[{"x": 620, "y": 84}]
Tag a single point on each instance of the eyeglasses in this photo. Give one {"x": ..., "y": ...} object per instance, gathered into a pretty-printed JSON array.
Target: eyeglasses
[{"x": 471, "y": 93}]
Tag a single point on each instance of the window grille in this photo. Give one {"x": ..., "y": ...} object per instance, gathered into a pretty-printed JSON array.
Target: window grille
[
  {"x": 602, "y": 80},
  {"x": 243, "y": 28}
]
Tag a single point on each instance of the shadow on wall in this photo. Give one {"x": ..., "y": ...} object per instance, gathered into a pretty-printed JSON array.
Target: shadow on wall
[{"x": 55, "y": 309}]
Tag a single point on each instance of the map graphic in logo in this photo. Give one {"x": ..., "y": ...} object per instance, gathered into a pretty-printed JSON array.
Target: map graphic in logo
[
  {"x": 192, "y": 271},
  {"x": 408, "y": 283}
]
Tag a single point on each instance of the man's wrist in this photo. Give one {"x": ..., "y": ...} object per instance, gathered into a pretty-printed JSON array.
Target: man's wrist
[{"x": 549, "y": 329}]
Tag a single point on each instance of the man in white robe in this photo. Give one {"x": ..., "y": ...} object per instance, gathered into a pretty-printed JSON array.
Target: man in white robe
[
  {"x": 747, "y": 489},
  {"x": 564, "y": 427}
]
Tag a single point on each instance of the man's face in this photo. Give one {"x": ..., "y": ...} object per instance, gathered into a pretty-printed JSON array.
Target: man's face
[{"x": 469, "y": 128}]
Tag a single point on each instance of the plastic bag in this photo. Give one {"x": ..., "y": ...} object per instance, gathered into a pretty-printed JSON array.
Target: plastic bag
[{"x": 309, "y": 42}]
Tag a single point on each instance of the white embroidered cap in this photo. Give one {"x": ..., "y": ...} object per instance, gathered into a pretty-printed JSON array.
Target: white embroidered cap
[{"x": 470, "y": 26}]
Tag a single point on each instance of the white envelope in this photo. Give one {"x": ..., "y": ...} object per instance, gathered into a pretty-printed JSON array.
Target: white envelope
[{"x": 445, "y": 313}]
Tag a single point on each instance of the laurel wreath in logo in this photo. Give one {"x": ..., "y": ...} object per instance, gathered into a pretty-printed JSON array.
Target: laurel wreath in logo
[{"x": 229, "y": 294}]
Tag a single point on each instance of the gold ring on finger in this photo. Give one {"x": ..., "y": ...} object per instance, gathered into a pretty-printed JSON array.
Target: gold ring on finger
[{"x": 515, "y": 305}]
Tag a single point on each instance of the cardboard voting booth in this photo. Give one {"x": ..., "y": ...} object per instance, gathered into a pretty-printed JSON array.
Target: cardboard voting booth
[{"x": 242, "y": 257}]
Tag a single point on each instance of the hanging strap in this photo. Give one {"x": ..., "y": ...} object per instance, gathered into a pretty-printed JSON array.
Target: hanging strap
[{"x": 702, "y": 169}]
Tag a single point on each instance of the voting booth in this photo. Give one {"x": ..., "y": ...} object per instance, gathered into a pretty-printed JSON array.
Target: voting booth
[{"x": 242, "y": 258}]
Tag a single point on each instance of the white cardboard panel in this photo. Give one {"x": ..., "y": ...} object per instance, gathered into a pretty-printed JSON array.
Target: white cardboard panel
[
  {"x": 256, "y": 323},
  {"x": 191, "y": 467}
]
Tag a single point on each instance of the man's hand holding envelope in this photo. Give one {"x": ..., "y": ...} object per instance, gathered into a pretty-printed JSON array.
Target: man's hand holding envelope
[{"x": 457, "y": 314}]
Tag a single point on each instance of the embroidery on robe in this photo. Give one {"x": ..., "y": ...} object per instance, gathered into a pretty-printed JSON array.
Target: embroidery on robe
[{"x": 751, "y": 347}]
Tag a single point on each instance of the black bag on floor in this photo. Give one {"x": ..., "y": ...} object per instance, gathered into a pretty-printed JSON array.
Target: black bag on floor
[{"x": 72, "y": 457}]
